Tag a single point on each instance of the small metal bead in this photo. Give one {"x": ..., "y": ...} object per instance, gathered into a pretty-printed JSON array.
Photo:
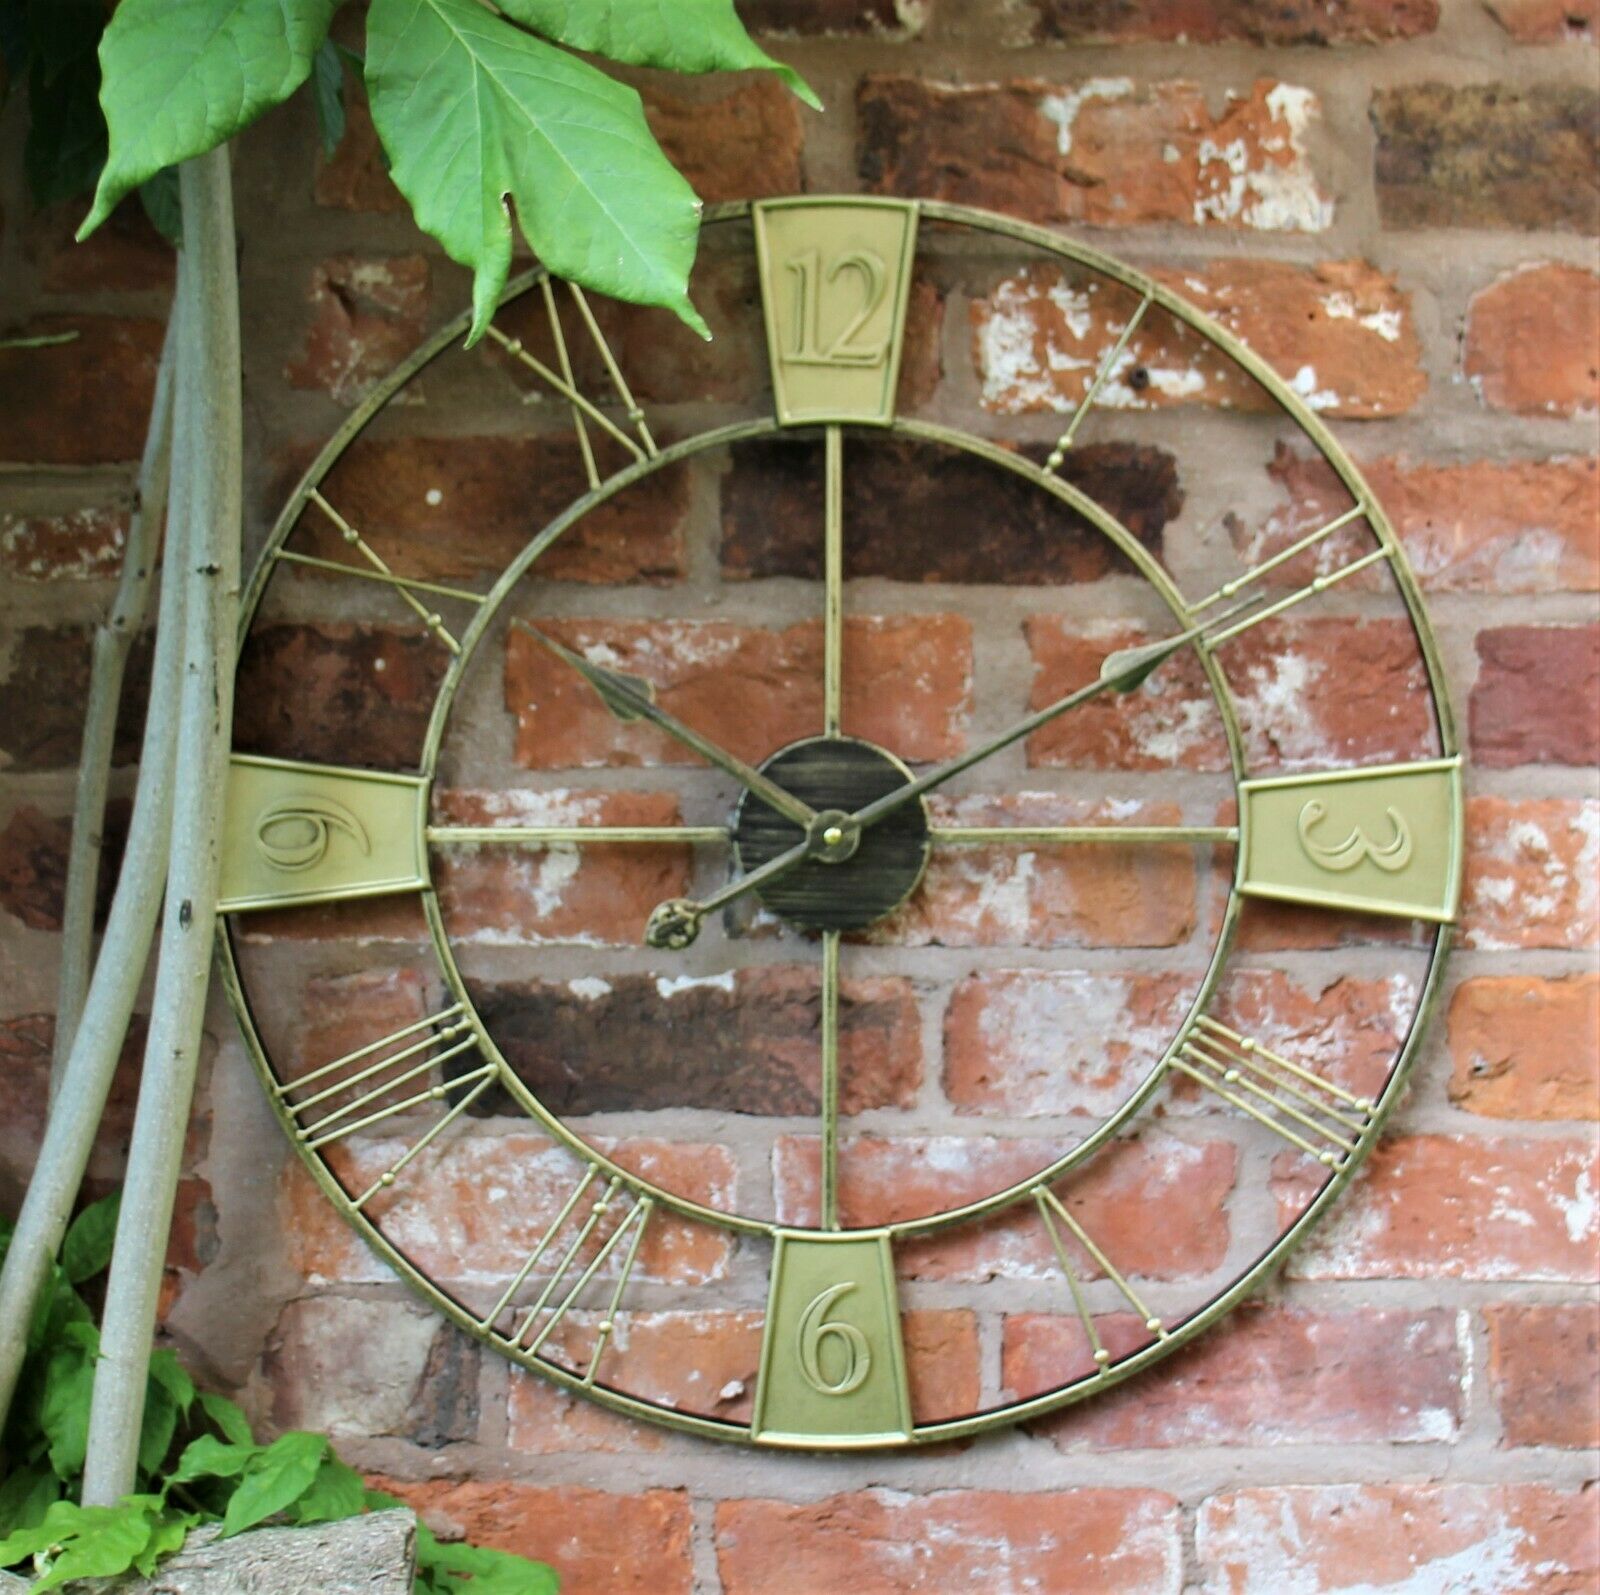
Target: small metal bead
[
  {"x": 1232, "y": 1077},
  {"x": 1054, "y": 459},
  {"x": 1327, "y": 1159},
  {"x": 386, "y": 1178},
  {"x": 602, "y": 1207},
  {"x": 438, "y": 1093},
  {"x": 606, "y": 1326},
  {"x": 1153, "y": 1325},
  {"x": 1365, "y": 1104},
  {"x": 1102, "y": 1356}
]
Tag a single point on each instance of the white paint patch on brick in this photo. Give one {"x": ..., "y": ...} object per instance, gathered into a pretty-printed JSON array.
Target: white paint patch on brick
[
  {"x": 1063, "y": 109},
  {"x": 1279, "y": 194}
]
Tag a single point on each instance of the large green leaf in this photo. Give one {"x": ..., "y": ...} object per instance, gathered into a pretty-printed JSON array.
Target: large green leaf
[
  {"x": 275, "y": 1479},
  {"x": 178, "y": 77},
  {"x": 336, "y": 1492},
  {"x": 64, "y": 1408},
  {"x": 207, "y": 1457},
  {"x": 678, "y": 35},
  {"x": 228, "y": 1417},
  {"x": 472, "y": 110},
  {"x": 95, "y": 1541},
  {"x": 87, "y": 1248}
]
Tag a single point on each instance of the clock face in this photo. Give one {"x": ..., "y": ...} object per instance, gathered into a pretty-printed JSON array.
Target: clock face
[{"x": 922, "y": 832}]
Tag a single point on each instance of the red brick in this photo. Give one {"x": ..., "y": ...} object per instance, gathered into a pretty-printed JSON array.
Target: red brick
[
  {"x": 1533, "y": 341},
  {"x": 745, "y": 1042},
  {"x": 33, "y": 865},
  {"x": 907, "y": 686},
  {"x": 84, "y": 402},
  {"x": 1102, "y": 153},
  {"x": 886, "y": 1182},
  {"x": 355, "y": 176},
  {"x": 1487, "y": 155},
  {"x": 337, "y": 693},
  {"x": 367, "y": 314},
  {"x": 357, "y": 1368},
  {"x": 598, "y": 1543},
  {"x": 1309, "y": 693},
  {"x": 740, "y": 145},
  {"x": 1066, "y": 896},
  {"x": 448, "y": 507},
  {"x": 436, "y": 1213},
  {"x": 835, "y": 18},
  {"x": 1300, "y": 22},
  {"x": 1531, "y": 873},
  {"x": 1526, "y": 1048},
  {"x": 339, "y": 1013},
  {"x": 538, "y": 896},
  {"x": 42, "y": 693},
  {"x": 920, "y": 514},
  {"x": 883, "y": 1542},
  {"x": 1269, "y": 1376},
  {"x": 1340, "y": 334},
  {"x": 1499, "y": 526},
  {"x": 1453, "y": 1207},
  {"x": 81, "y": 545},
  {"x": 1537, "y": 696},
  {"x": 125, "y": 254},
  {"x": 1544, "y": 1364},
  {"x": 1547, "y": 21},
  {"x": 1363, "y": 1537}
]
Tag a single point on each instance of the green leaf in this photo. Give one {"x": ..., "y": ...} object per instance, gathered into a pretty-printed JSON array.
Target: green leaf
[
  {"x": 182, "y": 76},
  {"x": 167, "y": 1535},
  {"x": 472, "y": 110},
  {"x": 228, "y": 1417},
  {"x": 87, "y": 1249},
  {"x": 327, "y": 94},
  {"x": 157, "y": 1426},
  {"x": 159, "y": 196},
  {"x": 64, "y": 1409},
  {"x": 336, "y": 1492},
  {"x": 210, "y": 1458},
  {"x": 677, "y": 35},
  {"x": 66, "y": 143},
  {"x": 168, "y": 1372},
  {"x": 477, "y": 1570},
  {"x": 275, "y": 1479},
  {"x": 25, "y": 1496},
  {"x": 99, "y": 1540}
]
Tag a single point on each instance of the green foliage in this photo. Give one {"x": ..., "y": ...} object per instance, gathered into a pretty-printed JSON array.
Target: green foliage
[{"x": 198, "y": 1461}]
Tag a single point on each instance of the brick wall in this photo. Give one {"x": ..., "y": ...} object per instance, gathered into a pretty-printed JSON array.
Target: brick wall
[{"x": 1399, "y": 197}]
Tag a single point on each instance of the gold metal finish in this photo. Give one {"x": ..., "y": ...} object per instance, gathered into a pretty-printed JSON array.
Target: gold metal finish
[
  {"x": 833, "y": 1368},
  {"x": 830, "y": 1079},
  {"x": 833, "y": 581},
  {"x": 1093, "y": 835},
  {"x": 294, "y": 834},
  {"x": 1054, "y": 1211},
  {"x": 835, "y": 284},
  {"x": 572, "y": 835},
  {"x": 1058, "y": 454}
]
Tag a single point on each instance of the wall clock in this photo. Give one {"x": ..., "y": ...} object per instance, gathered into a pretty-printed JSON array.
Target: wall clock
[{"x": 1033, "y": 992}]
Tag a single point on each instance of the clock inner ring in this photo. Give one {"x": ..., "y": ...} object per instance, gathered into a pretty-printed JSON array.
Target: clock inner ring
[{"x": 864, "y": 876}]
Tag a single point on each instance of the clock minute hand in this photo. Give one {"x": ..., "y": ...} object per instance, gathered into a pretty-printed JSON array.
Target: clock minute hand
[{"x": 633, "y": 698}]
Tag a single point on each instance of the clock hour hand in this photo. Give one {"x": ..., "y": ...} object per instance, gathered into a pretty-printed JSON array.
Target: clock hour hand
[{"x": 634, "y": 698}]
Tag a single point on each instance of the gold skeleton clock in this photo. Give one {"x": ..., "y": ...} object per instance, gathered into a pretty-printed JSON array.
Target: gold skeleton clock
[{"x": 927, "y": 1051}]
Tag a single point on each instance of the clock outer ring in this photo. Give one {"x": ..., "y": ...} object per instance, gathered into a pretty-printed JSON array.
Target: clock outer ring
[{"x": 1270, "y": 1259}]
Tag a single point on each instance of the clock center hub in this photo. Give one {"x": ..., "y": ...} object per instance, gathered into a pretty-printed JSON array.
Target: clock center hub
[{"x": 854, "y": 877}]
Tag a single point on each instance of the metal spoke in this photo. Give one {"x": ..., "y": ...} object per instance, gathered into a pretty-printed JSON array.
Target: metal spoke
[
  {"x": 830, "y": 1079},
  {"x": 833, "y": 578},
  {"x": 1059, "y": 453},
  {"x": 1055, "y": 835},
  {"x": 555, "y": 835}
]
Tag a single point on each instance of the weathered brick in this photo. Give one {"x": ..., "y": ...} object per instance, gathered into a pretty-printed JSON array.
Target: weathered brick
[
  {"x": 1296, "y": 22},
  {"x": 745, "y": 1042},
  {"x": 42, "y": 692},
  {"x": 340, "y": 1013},
  {"x": 1067, "y": 896},
  {"x": 367, "y": 314},
  {"x": 1526, "y": 1048},
  {"x": 1547, "y": 21},
  {"x": 1270, "y": 1375},
  {"x": 448, "y": 507},
  {"x": 1533, "y": 341},
  {"x": 1487, "y": 155},
  {"x": 1358, "y": 698},
  {"x": 80, "y": 545},
  {"x": 440, "y": 1216},
  {"x": 363, "y": 1367},
  {"x": 884, "y": 1182},
  {"x": 1544, "y": 1365},
  {"x": 880, "y": 18},
  {"x": 338, "y": 693},
  {"x": 534, "y": 896},
  {"x": 1105, "y": 152},
  {"x": 1537, "y": 696},
  {"x": 33, "y": 863},
  {"x": 356, "y": 176},
  {"x": 1453, "y": 1207},
  {"x": 125, "y": 254},
  {"x": 1531, "y": 875},
  {"x": 1340, "y": 334},
  {"x": 917, "y": 514},
  {"x": 1499, "y": 526},
  {"x": 740, "y": 145},
  {"x": 1115, "y": 1542},
  {"x": 907, "y": 686},
  {"x": 599, "y": 1543},
  {"x": 1412, "y": 1537},
  {"x": 83, "y": 402}
]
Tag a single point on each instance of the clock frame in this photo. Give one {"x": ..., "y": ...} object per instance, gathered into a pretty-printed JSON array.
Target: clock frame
[{"x": 1386, "y": 839}]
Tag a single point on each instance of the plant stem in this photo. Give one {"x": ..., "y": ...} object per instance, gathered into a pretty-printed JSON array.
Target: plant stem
[
  {"x": 97, "y": 1044},
  {"x": 113, "y": 640},
  {"x": 209, "y": 403}
]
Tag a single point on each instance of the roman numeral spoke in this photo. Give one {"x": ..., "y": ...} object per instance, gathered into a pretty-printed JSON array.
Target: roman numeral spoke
[
  {"x": 1059, "y": 453},
  {"x": 1313, "y": 1114},
  {"x": 1055, "y": 1216},
  {"x": 1093, "y": 835},
  {"x": 531, "y": 1326},
  {"x": 559, "y": 835},
  {"x": 641, "y": 445}
]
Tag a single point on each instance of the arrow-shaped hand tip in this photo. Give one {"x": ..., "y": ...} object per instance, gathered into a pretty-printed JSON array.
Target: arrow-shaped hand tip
[{"x": 627, "y": 697}]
